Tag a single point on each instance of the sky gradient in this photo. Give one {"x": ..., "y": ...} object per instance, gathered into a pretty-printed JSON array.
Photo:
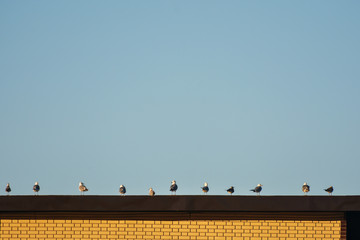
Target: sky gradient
[{"x": 141, "y": 93}]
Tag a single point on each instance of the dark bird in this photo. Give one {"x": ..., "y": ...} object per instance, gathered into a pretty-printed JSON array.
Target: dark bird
[
  {"x": 122, "y": 190},
  {"x": 36, "y": 188},
  {"x": 205, "y": 188},
  {"x": 305, "y": 188},
  {"x": 151, "y": 192},
  {"x": 329, "y": 190},
  {"x": 231, "y": 190},
  {"x": 82, "y": 188},
  {"x": 258, "y": 189},
  {"x": 8, "y": 188},
  {"x": 173, "y": 187}
]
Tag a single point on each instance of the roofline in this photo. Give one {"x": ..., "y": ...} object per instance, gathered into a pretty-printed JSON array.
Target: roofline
[{"x": 177, "y": 204}]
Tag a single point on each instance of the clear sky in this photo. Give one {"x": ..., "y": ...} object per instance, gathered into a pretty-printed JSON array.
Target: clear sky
[{"x": 141, "y": 93}]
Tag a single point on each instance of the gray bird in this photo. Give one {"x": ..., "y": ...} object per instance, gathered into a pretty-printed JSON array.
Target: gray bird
[
  {"x": 257, "y": 189},
  {"x": 205, "y": 188},
  {"x": 8, "y": 188},
  {"x": 173, "y": 187},
  {"x": 122, "y": 190},
  {"x": 329, "y": 190},
  {"x": 36, "y": 188},
  {"x": 151, "y": 192},
  {"x": 305, "y": 188},
  {"x": 231, "y": 190},
  {"x": 82, "y": 188}
]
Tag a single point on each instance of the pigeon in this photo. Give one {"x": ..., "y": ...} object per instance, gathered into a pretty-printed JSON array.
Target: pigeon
[
  {"x": 8, "y": 189},
  {"x": 82, "y": 188},
  {"x": 151, "y": 192},
  {"x": 258, "y": 189},
  {"x": 305, "y": 188},
  {"x": 173, "y": 187},
  {"x": 122, "y": 190},
  {"x": 329, "y": 190},
  {"x": 36, "y": 188},
  {"x": 231, "y": 190},
  {"x": 205, "y": 188}
]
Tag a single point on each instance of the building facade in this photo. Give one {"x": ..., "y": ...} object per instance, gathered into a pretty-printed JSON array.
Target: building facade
[{"x": 180, "y": 217}]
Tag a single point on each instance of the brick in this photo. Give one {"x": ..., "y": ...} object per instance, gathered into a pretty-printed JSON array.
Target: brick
[{"x": 94, "y": 236}]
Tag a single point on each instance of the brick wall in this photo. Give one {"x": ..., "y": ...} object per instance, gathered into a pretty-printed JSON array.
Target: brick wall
[{"x": 193, "y": 229}]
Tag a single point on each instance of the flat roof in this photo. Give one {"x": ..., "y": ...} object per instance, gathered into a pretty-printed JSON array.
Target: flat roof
[{"x": 182, "y": 203}]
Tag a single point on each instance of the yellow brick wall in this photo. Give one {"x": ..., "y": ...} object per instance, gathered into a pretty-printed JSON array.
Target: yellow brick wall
[{"x": 194, "y": 229}]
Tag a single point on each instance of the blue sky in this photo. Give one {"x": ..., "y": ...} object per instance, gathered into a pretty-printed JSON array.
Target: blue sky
[{"x": 144, "y": 92}]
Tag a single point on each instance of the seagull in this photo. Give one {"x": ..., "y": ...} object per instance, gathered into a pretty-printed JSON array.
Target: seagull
[
  {"x": 122, "y": 190},
  {"x": 173, "y": 187},
  {"x": 329, "y": 190},
  {"x": 8, "y": 189},
  {"x": 205, "y": 188},
  {"x": 36, "y": 188},
  {"x": 82, "y": 188},
  {"x": 231, "y": 190},
  {"x": 258, "y": 189},
  {"x": 305, "y": 188},
  {"x": 151, "y": 192}
]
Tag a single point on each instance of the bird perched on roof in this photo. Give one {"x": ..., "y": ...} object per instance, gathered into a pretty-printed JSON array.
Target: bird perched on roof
[
  {"x": 173, "y": 187},
  {"x": 82, "y": 188},
  {"x": 329, "y": 190},
  {"x": 257, "y": 189},
  {"x": 8, "y": 188},
  {"x": 231, "y": 190},
  {"x": 205, "y": 188},
  {"x": 122, "y": 190},
  {"x": 151, "y": 192},
  {"x": 36, "y": 188},
  {"x": 305, "y": 188}
]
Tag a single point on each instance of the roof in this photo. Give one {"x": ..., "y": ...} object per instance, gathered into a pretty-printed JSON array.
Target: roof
[{"x": 188, "y": 206}]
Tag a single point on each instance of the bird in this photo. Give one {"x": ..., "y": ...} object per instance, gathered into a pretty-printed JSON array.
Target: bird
[
  {"x": 8, "y": 188},
  {"x": 329, "y": 190},
  {"x": 205, "y": 188},
  {"x": 36, "y": 188},
  {"x": 151, "y": 192},
  {"x": 122, "y": 190},
  {"x": 173, "y": 187},
  {"x": 305, "y": 188},
  {"x": 82, "y": 188},
  {"x": 231, "y": 190},
  {"x": 257, "y": 189}
]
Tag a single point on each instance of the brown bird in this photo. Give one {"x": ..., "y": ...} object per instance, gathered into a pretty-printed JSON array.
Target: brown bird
[
  {"x": 151, "y": 192},
  {"x": 8, "y": 188},
  {"x": 305, "y": 188},
  {"x": 82, "y": 188},
  {"x": 329, "y": 190},
  {"x": 231, "y": 190}
]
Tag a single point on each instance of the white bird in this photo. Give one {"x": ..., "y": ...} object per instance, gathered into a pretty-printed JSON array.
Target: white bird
[
  {"x": 122, "y": 190},
  {"x": 257, "y": 189},
  {"x": 36, "y": 188},
  {"x": 305, "y": 188},
  {"x": 205, "y": 188},
  {"x": 173, "y": 187},
  {"x": 151, "y": 192},
  {"x": 82, "y": 188}
]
